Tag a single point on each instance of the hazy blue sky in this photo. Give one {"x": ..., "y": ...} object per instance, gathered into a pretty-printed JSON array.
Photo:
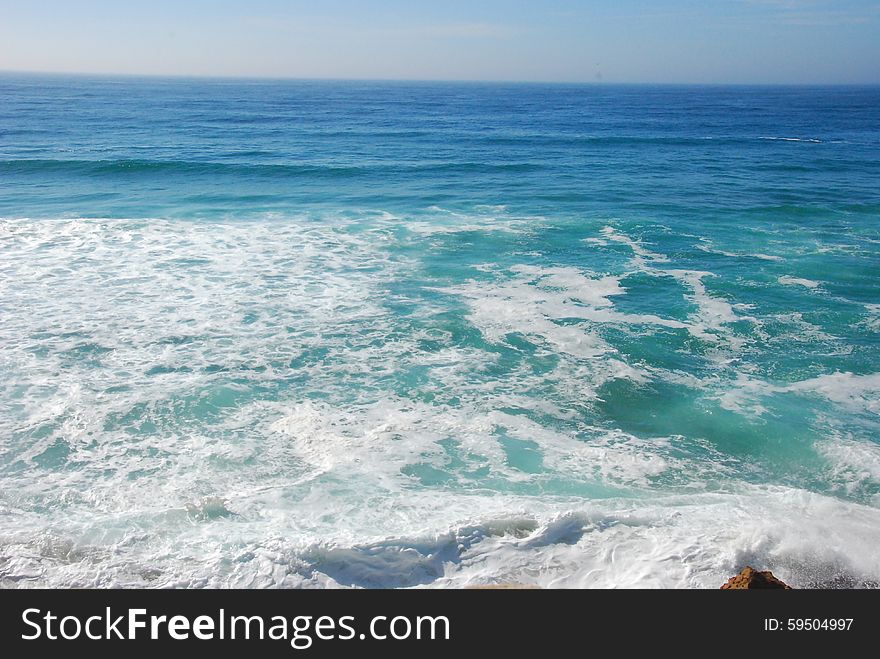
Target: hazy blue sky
[{"x": 555, "y": 40}]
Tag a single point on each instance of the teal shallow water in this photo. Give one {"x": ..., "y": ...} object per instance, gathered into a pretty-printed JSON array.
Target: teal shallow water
[{"x": 366, "y": 334}]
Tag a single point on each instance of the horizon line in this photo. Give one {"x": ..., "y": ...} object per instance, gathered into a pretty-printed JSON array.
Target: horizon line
[{"x": 510, "y": 81}]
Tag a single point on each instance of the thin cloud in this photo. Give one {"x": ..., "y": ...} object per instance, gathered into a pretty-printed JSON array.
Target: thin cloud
[
  {"x": 467, "y": 31},
  {"x": 314, "y": 24},
  {"x": 830, "y": 17},
  {"x": 785, "y": 4},
  {"x": 817, "y": 13}
]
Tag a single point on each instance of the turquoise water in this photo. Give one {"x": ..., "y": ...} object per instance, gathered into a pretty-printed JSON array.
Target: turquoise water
[{"x": 298, "y": 334}]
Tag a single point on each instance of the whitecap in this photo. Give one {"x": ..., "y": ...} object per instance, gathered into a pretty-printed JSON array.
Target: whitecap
[{"x": 797, "y": 281}]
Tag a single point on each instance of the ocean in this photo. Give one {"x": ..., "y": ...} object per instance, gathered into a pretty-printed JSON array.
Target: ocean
[{"x": 385, "y": 334}]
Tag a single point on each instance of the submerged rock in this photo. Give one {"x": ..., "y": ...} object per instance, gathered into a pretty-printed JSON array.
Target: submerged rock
[{"x": 750, "y": 578}]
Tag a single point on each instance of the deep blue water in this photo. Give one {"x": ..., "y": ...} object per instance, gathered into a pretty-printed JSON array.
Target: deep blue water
[{"x": 399, "y": 334}]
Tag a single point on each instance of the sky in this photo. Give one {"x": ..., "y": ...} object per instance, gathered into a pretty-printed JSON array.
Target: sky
[{"x": 654, "y": 41}]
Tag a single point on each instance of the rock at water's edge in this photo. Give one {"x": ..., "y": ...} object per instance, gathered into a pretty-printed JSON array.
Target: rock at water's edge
[{"x": 750, "y": 578}]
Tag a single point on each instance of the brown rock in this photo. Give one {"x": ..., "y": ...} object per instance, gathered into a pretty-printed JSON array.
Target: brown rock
[{"x": 750, "y": 578}]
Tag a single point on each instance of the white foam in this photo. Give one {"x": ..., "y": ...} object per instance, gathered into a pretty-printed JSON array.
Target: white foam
[
  {"x": 593, "y": 291},
  {"x": 673, "y": 541},
  {"x": 797, "y": 281},
  {"x": 560, "y": 310},
  {"x": 225, "y": 405},
  {"x": 859, "y": 392},
  {"x": 527, "y": 305},
  {"x": 872, "y": 322},
  {"x": 713, "y": 312},
  {"x": 854, "y": 464},
  {"x": 689, "y": 542},
  {"x": 433, "y": 229},
  {"x": 743, "y": 395},
  {"x": 792, "y": 139},
  {"x": 370, "y": 439},
  {"x": 707, "y": 247},
  {"x": 803, "y": 331},
  {"x": 642, "y": 256}
]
